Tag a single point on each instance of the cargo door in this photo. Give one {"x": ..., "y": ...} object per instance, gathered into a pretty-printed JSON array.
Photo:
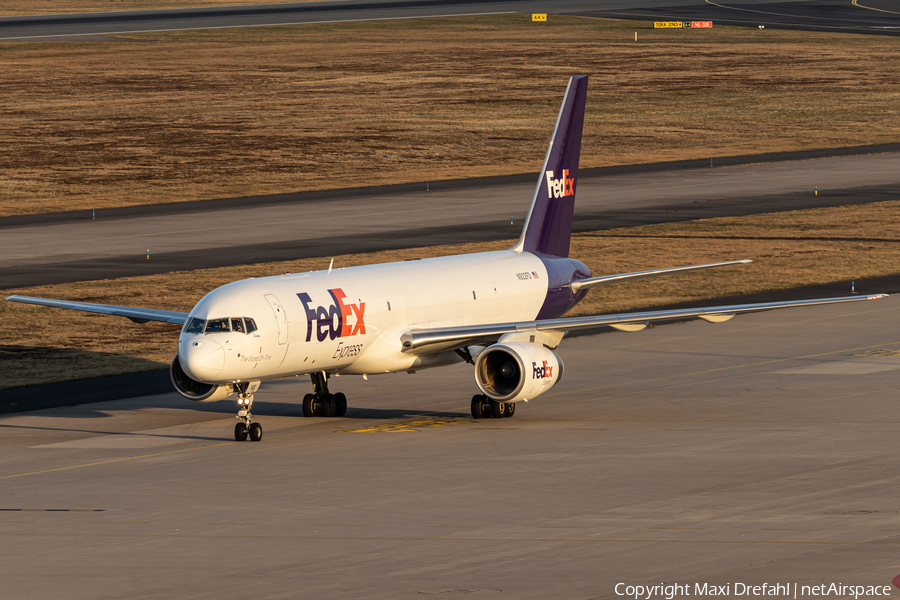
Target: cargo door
[{"x": 280, "y": 318}]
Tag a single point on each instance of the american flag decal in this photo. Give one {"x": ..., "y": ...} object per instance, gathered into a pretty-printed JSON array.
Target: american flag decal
[{"x": 535, "y": 275}]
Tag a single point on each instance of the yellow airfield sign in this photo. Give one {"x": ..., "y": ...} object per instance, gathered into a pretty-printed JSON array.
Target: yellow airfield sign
[
  {"x": 537, "y": 17},
  {"x": 667, "y": 25}
]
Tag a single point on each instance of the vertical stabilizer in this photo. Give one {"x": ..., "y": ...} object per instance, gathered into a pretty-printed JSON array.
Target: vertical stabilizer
[{"x": 549, "y": 225}]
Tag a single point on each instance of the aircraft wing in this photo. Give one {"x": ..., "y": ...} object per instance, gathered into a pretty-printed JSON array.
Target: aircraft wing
[
  {"x": 583, "y": 284},
  {"x": 138, "y": 315},
  {"x": 429, "y": 341}
]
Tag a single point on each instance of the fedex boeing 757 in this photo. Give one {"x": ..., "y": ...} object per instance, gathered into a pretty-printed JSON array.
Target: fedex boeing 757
[{"x": 499, "y": 311}]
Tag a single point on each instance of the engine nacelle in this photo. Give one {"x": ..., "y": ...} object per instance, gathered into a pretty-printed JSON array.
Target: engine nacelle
[
  {"x": 517, "y": 371},
  {"x": 196, "y": 390}
]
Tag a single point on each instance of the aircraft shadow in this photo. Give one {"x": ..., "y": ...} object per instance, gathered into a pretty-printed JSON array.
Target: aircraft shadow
[
  {"x": 204, "y": 438},
  {"x": 278, "y": 409}
]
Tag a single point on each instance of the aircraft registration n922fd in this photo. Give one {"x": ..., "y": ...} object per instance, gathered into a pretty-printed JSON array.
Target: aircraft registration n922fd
[{"x": 499, "y": 311}]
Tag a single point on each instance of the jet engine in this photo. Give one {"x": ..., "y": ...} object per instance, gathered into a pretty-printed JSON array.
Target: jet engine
[
  {"x": 196, "y": 390},
  {"x": 513, "y": 372}
]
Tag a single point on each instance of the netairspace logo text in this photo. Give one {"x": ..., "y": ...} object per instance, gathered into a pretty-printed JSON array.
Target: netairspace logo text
[{"x": 783, "y": 590}]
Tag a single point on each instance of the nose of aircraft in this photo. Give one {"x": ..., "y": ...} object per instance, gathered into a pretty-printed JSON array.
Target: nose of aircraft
[{"x": 202, "y": 359}]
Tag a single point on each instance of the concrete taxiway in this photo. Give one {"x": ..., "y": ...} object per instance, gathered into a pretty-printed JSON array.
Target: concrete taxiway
[
  {"x": 44, "y": 249},
  {"x": 758, "y": 450},
  {"x": 879, "y": 17},
  {"x": 870, "y": 17}
]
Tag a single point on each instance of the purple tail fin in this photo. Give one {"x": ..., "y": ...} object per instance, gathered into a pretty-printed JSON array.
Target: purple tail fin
[{"x": 549, "y": 225}]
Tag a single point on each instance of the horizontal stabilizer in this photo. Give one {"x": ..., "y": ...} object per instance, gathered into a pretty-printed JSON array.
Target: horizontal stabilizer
[
  {"x": 138, "y": 315},
  {"x": 586, "y": 284}
]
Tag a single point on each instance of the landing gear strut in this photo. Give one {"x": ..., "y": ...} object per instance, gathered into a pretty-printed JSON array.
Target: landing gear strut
[
  {"x": 323, "y": 403},
  {"x": 246, "y": 426},
  {"x": 485, "y": 408}
]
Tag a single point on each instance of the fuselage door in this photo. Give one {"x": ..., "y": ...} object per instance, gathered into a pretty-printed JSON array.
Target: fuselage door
[{"x": 280, "y": 318}]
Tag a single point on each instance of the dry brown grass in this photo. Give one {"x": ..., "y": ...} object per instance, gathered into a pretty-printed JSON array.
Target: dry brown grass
[
  {"x": 220, "y": 113},
  {"x": 16, "y": 8},
  {"x": 790, "y": 249}
]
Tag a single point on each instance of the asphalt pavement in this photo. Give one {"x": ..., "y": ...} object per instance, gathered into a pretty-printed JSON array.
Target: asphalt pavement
[
  {"x": 881, "y": 17},
  {"x": 69, "y": 247},
  {"x": 870, "y": 17},
  {"x": 755, "y": 451}
]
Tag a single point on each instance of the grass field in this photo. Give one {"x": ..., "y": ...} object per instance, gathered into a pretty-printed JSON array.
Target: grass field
[
  {"x": 16, "y": 8},
  {"x": 223, "y": 113},
  {"x": 195, "y": 115},
  {"x": 790, "y": 249}
]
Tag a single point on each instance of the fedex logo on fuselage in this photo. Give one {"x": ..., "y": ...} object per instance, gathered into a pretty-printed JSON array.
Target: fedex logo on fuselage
[
  {"x": 559, "y": 188},
  {"x": 543, "y": 371},
  {"x": 334, "y": 321}
]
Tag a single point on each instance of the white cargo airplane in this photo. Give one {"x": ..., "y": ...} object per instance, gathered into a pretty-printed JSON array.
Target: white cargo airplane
[{"x": 499, "y": 311}]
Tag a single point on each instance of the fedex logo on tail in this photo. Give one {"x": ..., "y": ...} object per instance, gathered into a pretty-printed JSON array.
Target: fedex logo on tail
[
  {"x": 334, "y": 321},
  {"x": 559, "y": 188},
  {"x": 543, "y": 371}
]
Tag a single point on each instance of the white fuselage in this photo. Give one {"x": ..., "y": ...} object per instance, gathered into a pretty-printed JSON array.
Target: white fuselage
[{"x": 350, "y": 320}]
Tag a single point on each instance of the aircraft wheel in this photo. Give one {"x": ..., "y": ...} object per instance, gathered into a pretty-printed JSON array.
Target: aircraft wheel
[
  {"x": 510, "y": 409},
  {"x": 240, "y": 432},
  {"x": 309, "y": 405},
  {"x": 497, "y": 410},
  {"x": 329, "y": 406},
  {"x": 341, "y": 401},
  {"x": 478, "y": 407},
  {"x": 255, "y": 432}
]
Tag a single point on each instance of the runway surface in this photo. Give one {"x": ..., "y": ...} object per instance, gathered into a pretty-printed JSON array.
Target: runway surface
[
  {"x": 758, "y": 450},
  {"x": 880, "y": 17},
  {"x": 867, "y": 16},
  {"x": 44, "y": 249}
]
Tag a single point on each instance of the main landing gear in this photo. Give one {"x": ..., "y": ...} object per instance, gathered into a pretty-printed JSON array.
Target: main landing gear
[
  {"x": 484, "y": 408},
  {"x": 246, "y": 426},
  {"x": 323, "y": 403}
]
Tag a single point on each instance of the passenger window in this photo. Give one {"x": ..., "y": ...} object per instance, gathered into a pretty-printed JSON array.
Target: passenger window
[
  {"x": 251, "y": 325},
  {"x": 217, "y": 325},
  {"x": 237, "y": 324},
  {"x": 195, "y": 326}
]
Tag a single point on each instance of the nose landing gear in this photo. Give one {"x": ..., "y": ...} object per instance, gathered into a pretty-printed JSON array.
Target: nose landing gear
[
  {"x": 322, "y": 403},
  {"x": 246, "y": 426}
]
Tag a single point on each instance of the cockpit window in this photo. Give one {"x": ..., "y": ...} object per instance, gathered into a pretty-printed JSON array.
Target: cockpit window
[
  {"x": 238, "y": 324},
  {"x": 217, "y": 325},
  {"x": 195, "y": 326}
]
